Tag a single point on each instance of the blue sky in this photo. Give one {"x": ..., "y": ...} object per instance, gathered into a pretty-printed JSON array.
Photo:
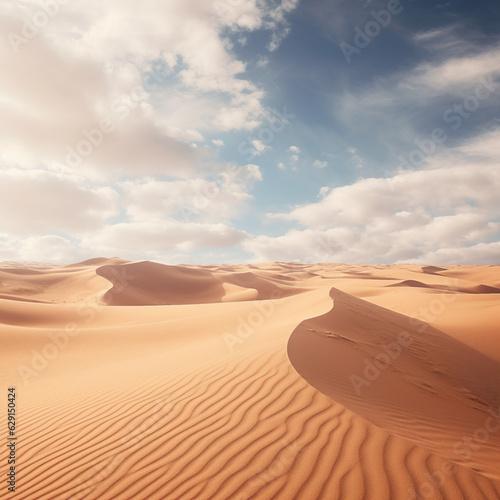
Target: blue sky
[{"x": 250, "y": 130}]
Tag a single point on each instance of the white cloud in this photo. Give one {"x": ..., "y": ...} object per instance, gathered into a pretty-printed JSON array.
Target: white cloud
[
  {"x": 445, "y": 41},
  {"x": 438, "y": 190},
  {"x": 252, "y": 172},
  {"x": 262, "y": 62},
  {"x": 320, "y": 164},
  {"x": 37, "y": 202},
  {"x": 49, "y": 101},
  {"x": 219, "y": 197},
  {"x": 396, "y": 110},
  {"x": 277, "y": 21},
  {"x": 47, "y": 248},
  {"x": 455, "y": 74},
  {"x": 168, "y": 241},
  {"x": 139, "y": 239},
  {"x": 73, "y": 215},
  {"x": 448, "y": 238},
  {"x": 294, "y": 158},
  {"x": 428, "y": 215},
  {"x": 324, "y": 191},
  {"x": 101, "y": 60},
  {"x": 484, "y": 148},
  {"x": 484, "y": 253},
  {"x": 101, "y": 108},
  {"x": 259, "y": 147},
  {"x": 358, "y": 162}
]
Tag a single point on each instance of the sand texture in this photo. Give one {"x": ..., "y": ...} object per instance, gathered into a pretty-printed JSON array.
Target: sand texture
[{"x": 137, "y": 380}]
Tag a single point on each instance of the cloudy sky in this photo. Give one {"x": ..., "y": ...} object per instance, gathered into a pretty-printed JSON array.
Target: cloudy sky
[{"x": 211, "y": 131}]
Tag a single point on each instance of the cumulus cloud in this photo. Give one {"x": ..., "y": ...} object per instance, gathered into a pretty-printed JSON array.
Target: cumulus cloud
[
  {"x": 38, "y": 202},
  {"x": 320, "y": 164},
  {"x": 107, "y": 114},
  {"x": 110, "y": 60},
  {"x": 170, "y": 242},
  {"x": 219, "y": 197},
  {"x": 47, "y": 248},
  {"x": 294, "y": 157},
  {"x": 62, "y": 218},
  {"x": 53, "y": 103},
  {"x": 157, "y": 238},
  {"x": 485, "y": 253},
  {"x": 411, "y": 216},
  {"x": 437, "y": 190},
  {"x": 103, "y": 111},
  {"x": 259, "y": 147}
]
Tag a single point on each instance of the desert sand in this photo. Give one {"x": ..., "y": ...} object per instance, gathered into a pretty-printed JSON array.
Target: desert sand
[{"x": 137, "y": 380}]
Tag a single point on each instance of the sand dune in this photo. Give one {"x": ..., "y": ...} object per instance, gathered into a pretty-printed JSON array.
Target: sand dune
[
  {"x": 481, "y": 289},
  {"x": 387, "y": 368},
  {"x": 148, "y": 283},
  {"x": 432, "y": 269},
  {"x": 51, "y": 286},
  {"x": 137, "y": 380}
]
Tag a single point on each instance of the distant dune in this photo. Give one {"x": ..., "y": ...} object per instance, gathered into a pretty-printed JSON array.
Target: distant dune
[{"x": 138, "y": 380}]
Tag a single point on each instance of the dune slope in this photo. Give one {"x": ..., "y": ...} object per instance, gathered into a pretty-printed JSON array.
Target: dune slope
[{"x": 405, "y": 376}]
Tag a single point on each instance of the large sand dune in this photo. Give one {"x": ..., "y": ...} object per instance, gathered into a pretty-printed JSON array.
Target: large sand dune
[{"x": 137, "y": 380}]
